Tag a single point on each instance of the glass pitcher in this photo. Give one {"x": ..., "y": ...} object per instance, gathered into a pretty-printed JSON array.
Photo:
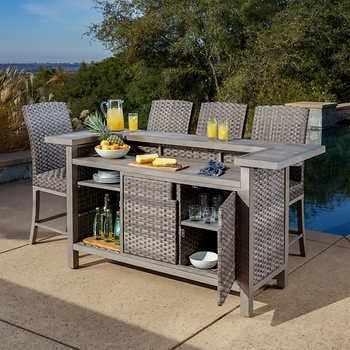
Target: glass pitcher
[{"x": 113, "y": 110}]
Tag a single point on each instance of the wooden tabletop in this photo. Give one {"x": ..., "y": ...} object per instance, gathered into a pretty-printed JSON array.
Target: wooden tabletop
[{"x": 255, "y": 154}]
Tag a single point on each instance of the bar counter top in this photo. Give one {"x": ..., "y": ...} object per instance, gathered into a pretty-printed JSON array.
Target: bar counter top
[{"x": 255, "y": 154}]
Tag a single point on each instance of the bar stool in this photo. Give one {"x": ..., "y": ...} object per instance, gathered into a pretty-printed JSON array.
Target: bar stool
[
  {"x": 170, "y": 116},
  {"x": 285, "y": 124},
  {"x": 48, "y": 161}
]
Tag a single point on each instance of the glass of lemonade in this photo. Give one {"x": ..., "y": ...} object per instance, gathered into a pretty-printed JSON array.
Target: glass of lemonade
[
  {"x": 133, "y": 119},
  {"x": 212, "y": 128},
  {"x": 223, "y": 130}
]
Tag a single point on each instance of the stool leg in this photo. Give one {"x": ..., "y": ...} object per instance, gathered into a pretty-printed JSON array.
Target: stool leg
[
  {"x": 301, "y": 226},
  {"x": 35, "y": 216}
]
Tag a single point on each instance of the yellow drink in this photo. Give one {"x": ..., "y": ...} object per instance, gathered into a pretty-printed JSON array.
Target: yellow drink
[
  {"x": 212, "y": 128},
  {"x": 115, "y": 119},
  {"x": 223, "y": 131},
  {"x": 133, "y": 122}
]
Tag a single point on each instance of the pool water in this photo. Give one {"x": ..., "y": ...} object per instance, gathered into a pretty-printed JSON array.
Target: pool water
[{"x": 327, "y": 185}]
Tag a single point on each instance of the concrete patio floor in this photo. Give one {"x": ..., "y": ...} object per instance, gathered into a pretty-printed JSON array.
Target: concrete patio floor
[{"x": 45, "y": 305}]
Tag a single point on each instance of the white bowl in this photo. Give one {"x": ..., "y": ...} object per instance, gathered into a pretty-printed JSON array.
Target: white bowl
[
  {"x": 204, "y": 259},
  {"x": 112, "y": 154}
]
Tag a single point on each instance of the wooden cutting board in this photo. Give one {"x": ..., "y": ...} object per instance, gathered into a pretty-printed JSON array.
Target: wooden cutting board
[
  {"x": 100, "y": 243},
  {"x": 177, "y": 167}
]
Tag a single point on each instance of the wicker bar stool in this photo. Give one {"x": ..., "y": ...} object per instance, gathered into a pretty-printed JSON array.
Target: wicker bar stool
[
  {"x": 48, "y": 161},
  {"x": 285, "y": 124},
  {"x": 170, "y": 116},
  {"x": 235, "y": 113}
]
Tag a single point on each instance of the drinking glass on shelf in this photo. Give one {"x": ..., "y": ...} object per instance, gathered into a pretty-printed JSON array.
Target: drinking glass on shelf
[
  {"x": 223, "y": 130},
  {"x": 133, "y": 119},
  {"x": 203, "y": 200},
  {"x": 217, "y": 201},
  {"x": 209, "y": 215},
  {"x": 195, "y": 212}
]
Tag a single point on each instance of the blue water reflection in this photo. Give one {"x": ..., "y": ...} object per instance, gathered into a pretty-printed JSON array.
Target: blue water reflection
[{"x": 327, "y": 185}]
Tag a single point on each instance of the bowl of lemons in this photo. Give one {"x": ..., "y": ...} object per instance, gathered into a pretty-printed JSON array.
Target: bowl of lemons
[{"x": 111, "y": 149}]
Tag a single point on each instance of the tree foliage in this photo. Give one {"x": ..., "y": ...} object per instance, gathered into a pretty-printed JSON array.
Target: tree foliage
[{"x": 250, "y": 51}]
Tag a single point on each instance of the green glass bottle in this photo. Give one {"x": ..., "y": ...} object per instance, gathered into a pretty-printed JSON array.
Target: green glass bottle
[
  {"x": 108, "y": 226},
  {"x": 117, "y": 228}
]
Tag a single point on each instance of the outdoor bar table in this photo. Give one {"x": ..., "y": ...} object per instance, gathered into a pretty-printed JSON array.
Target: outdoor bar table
[{"x": 252, "y": 233}]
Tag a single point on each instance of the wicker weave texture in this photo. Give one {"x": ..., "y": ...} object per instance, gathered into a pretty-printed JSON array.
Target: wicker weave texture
[
  {"x": 151, "y": 190},
  {"x": 191, "y": 153},
  {"x": 233, "y": 112},
  {"x": 280, "y": 124},
  {"x": 267, "y": 215},
  {"x": 45, "y": 119},
  {"x": 170, "y": 116},
  {"x": 54, "y": 180},
  {"x": 226, "y": 247},
  {"x": 150, "y": 218}
]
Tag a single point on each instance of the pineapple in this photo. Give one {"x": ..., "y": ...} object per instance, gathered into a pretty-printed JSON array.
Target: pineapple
[
  {"x": 96, "y": 123},
  {"x": 114, "y": 139}
]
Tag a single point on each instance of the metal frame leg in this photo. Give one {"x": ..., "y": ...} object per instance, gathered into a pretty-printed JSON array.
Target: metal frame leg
[{"x": 35, "y": 216}]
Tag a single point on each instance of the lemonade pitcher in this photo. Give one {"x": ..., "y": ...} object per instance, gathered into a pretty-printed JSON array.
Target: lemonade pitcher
[{"x": 113, "y": 110}]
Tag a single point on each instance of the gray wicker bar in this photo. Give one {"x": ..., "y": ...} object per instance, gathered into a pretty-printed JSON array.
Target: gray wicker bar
[{"x": 252, "y": 235}]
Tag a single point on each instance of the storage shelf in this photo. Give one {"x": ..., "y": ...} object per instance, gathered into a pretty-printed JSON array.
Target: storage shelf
[
  {"x": 180, "y": 271},
  {"x": 93, "y": 184},
  {"x": 200, "y": 224}
]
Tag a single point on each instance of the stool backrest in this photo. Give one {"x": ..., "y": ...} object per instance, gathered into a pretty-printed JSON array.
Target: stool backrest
[
  {"x": 280, "y": 124},
  {"x": 170, "y": 116},
  {"x": 45, "y": 119},
  {"x": 233, "y": 112}
]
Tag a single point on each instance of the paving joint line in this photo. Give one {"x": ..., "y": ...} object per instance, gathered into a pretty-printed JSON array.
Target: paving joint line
[
  {"x": 203, "y": 328},
  {"x": 39, "y": 334},
  {"x": 316, "y": 255},
  {"x": 25, "y": 245}
]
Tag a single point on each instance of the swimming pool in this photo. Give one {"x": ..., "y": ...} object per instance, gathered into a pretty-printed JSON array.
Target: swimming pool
[{"x": 327, "y": 185}]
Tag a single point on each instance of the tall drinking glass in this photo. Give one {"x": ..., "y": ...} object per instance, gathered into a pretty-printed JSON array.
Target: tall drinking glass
[
  {"x": 133, "y": 119},
  {"x": 223, "y": 130}
]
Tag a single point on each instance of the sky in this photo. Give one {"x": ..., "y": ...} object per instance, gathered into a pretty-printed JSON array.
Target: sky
[{"x": 48, "y": 31}]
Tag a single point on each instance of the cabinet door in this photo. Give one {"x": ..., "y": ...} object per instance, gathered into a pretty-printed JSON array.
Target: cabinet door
[{"x": 226, "y": 247}]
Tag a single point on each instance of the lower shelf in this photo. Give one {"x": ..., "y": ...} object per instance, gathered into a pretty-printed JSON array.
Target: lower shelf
[
  {"x": 186, "y": 272},
  {"x": 100, "y": 243}
]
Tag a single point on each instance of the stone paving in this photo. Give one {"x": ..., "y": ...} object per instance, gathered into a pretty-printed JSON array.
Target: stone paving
[{"x": 45, "y": 305}]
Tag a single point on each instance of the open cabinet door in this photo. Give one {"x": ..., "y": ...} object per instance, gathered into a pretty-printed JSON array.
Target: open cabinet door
[{"x": 226, "y": 247}]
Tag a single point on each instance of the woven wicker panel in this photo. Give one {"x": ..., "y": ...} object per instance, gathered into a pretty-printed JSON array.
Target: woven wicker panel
[
  {"x": 45, "y": 119},
  {"x": 137, "y": 241},
  {"x": 148, "y": 189},
  {"x": 280, "y": 124},
  {"x": 190, "y": 153},
  {"x": 267, "y": 217},
  {"x": 150, "y": 228},
  {"x": 296, "y": 189},
  {"x": 170, "y": 116},
  {"x": 233, "y": 112},
  {"x": 226, "y": 247},
  {"x": 54, "y": 180},
  {"x": 158, "y": 218}
]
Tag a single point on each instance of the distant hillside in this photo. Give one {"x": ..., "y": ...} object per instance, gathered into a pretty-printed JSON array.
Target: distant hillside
[{"x": 34, "y": 67}]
